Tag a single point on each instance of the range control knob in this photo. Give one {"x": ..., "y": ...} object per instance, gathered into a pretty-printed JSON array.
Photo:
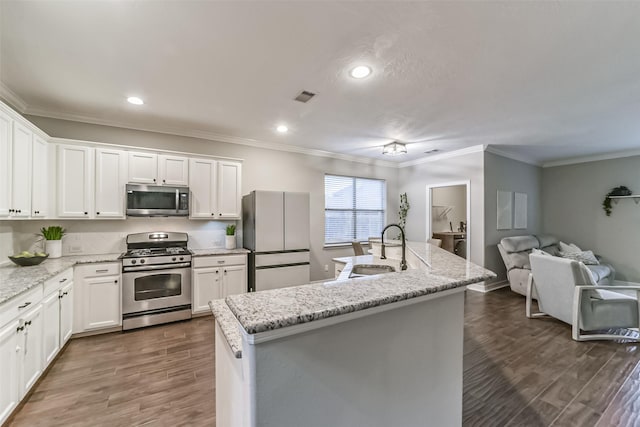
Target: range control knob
[
  {"x": 181, "y": 258},
  {"x": 173, "y": 259},
  {"x": 141, "y": 261},
  {"x": 133, "y": 261}
]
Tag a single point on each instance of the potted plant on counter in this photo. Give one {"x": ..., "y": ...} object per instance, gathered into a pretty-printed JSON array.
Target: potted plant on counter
[
  {"x": 230, "y": 238},
  {"x": 53, "y": 240}
]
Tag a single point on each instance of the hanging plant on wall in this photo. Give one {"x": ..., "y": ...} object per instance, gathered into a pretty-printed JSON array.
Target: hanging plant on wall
[
  {"x": 618, "y": 191},
  {"x": 404, "y": 208}
]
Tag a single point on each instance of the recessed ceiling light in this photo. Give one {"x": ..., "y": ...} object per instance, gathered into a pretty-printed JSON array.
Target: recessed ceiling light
[
  {"x": 135, "y": 100},
  {"x": 360, "y": 72},
  {"x": 282, "y": 129}
]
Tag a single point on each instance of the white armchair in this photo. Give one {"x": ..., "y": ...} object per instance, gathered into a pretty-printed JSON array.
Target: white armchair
[{"x": 565, "y": 289}]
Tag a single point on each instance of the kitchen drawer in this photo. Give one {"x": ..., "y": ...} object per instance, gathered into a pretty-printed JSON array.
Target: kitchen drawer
[
  {"x": 11, "y": 309},
  {"x": 282, "y": 258},
  {"x": 98, "y": 270},
  {"x": 274, "y": 278},
  {"x": 218, "y": 260},
  {"x": 58, "y": 281}
]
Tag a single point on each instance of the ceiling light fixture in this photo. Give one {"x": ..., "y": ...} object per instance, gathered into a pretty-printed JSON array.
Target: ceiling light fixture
[
  {"x": 282, "y": 129},
  {"x": 360, "y": 72},
  {"x": 135, "y": 100},
  {"x": 394, "y": 148}
]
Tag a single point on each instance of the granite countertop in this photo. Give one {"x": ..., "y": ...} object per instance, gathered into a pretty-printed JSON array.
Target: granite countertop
[
  {"x": 218, "y": 251},
  {"x": 279, "y": 308},
  {"x": 228, "y": 324},
  {"x": 15, "y": 280}
]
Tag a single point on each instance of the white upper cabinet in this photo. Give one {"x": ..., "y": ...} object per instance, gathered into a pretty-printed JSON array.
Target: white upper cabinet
[
  {"x": 111, "y": 178},
  {"x": 75, "y": 181},
  {"x": 40, "y": 181},
  {"x": 20, "y": 205},
  {"x": 5, "y": 164},
  {"x": 173, "y": 170},
  {"x": 215, "y": 189},
  {"x": 143, "y": 168},
  {"x": 229, "y": 190},
  {"x": 202, "y": 184},
  {"x": 158, "y": 169}
]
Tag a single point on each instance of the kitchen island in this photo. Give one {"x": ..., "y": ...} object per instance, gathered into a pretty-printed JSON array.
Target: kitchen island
[{"x": 372, "y": 351}]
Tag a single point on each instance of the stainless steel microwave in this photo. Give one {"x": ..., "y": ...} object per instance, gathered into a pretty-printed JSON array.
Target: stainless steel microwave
[{"x": 154, "y": 200}]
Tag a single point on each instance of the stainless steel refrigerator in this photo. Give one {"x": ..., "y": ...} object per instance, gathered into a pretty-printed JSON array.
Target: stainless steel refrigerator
[{"x": 275, "y": 228}]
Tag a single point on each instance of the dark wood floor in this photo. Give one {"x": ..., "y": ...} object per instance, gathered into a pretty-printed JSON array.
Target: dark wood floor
[{"x": 517, "y": 372}]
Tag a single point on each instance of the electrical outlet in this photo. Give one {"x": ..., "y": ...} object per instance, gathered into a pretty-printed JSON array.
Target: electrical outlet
[
  {"x": 326, "y": 268},
  {"x": 75, "y": 249}
]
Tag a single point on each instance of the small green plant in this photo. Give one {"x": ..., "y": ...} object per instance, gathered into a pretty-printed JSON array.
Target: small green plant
[
  {"x": 231, "y": 230},
  {"x": 54, "y": 232},
  {"x": 618, "y": 191},
  {"x": 404, "y": 208}
]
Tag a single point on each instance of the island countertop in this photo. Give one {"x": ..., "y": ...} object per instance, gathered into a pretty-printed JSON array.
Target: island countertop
[{"x": 436, "y": 271}]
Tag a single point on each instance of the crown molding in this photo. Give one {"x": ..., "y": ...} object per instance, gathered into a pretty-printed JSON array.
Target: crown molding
[
  {"x": 12, "y": 98},
  {"x": 211, "y": 136},
  {"x": 594, "y": 158},
  {"x": 517, "y": 158},
  {"x": 446, "y": 155}
]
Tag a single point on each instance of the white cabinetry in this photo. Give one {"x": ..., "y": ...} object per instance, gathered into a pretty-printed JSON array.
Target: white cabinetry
[
  {"x": 97, "y": 301},
  {"x": 215, "y": 189},
  {"x": 20, "y": 205},
  {"x": 6, "y": 163},
  {"x": 216, "y": 277},
  {"x": 75, "y": 181},
  {"x": 40, "y": 178},
  {"x": 8, "y": 369},
  {"x": 202, "y": 184},
  {"x": 57, "y": 308},
  {"x": 143, "y": 168},
  {"x": 229, "y": 189},
  {"x": 111, "y": 178},
  {"x": 30, "y": 349},
  {"x": 173, "y": 170},
  {"x": 162, "y": 169}
]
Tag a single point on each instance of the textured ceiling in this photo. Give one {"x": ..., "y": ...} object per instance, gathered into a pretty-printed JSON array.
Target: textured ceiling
[{"x": 542, "y": 80}]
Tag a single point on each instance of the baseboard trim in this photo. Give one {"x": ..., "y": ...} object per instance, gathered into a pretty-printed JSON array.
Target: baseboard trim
[{"x": 484, "y": 287}]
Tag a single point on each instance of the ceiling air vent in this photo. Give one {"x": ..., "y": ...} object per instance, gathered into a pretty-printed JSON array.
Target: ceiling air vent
[
  {"x": 431, "y": 151},
  {"x": 304, "y": 96}
]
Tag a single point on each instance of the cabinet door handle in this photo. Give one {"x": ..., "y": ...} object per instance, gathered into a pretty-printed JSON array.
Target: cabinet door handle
[
  {"x": 154, "y": 180},
  {"x": 221, "y": 262},
  {"x": 65, "y": 293},
  {"x": 26, "y": 304},
  {"x": 97, "y": 213},
  {"x": 163, "y": 181},
  {"x": 115, "y": 281},
  {"x": 225, "y": 272},
  {"x": 63, "y": 280},
  {"x": 19, "y": 329},
  {"x": 104, "y": 270},
  {"x": 28, "y": 323}
]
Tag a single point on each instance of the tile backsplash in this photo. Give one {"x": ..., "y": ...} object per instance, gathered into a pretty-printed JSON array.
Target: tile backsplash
[{"x": 103, "y": 236}]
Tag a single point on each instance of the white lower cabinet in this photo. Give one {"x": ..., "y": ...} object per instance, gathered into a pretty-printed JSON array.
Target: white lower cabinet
[
  {"x": 216, "y": 277},
  {"x": 97, "y": 297},
  {"x": 66, "y": 313},
  {"x": 51, "y": 330},
  {"x": 8, "y": 369},
  {"x": 30, "y": 349}
]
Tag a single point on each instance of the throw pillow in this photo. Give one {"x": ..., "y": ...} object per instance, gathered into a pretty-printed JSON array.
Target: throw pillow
[
  {"x": 540, "y": 252},
  {"x": 586, "y": 257},
  {"x": 569, "y": 248}
]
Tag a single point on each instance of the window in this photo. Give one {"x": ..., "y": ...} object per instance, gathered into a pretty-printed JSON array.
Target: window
[{"x": 353, "y": 208}]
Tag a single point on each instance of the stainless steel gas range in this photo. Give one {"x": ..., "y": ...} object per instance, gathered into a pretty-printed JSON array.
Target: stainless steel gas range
[{"x": 156, "y": 279}]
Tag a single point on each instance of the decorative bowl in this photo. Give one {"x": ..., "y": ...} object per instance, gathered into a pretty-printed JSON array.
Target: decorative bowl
[{"x": 28, "y": 261}]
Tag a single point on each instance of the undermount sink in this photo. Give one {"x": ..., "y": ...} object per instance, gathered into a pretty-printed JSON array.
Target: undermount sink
[{"x": 360, "y": 270}]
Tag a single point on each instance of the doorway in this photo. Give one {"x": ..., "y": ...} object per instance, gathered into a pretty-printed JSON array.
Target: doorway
[{"x": 448, "y": 216}]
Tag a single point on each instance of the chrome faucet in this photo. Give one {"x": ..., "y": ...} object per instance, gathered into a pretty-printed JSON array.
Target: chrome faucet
[{"x": 403, "y": 263}]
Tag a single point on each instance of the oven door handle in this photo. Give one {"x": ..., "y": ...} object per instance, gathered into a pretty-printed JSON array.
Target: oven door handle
[
  {"x": 177, "y": 200},
  {"x": 156, "y": 267}
]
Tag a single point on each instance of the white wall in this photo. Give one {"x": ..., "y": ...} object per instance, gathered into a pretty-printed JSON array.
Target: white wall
[
  {"x": 455, "y": 197},
  {"x": 572, "y": 199},
  {"x": 6, "y": 242},
  {"x": 505, "y": 174},
  {"x": 263, "y": 169},
  {"x": 414, "y": 180}
]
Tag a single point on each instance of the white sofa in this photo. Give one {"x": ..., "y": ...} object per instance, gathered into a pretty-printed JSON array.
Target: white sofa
[{"x": 515, "y": 254}]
